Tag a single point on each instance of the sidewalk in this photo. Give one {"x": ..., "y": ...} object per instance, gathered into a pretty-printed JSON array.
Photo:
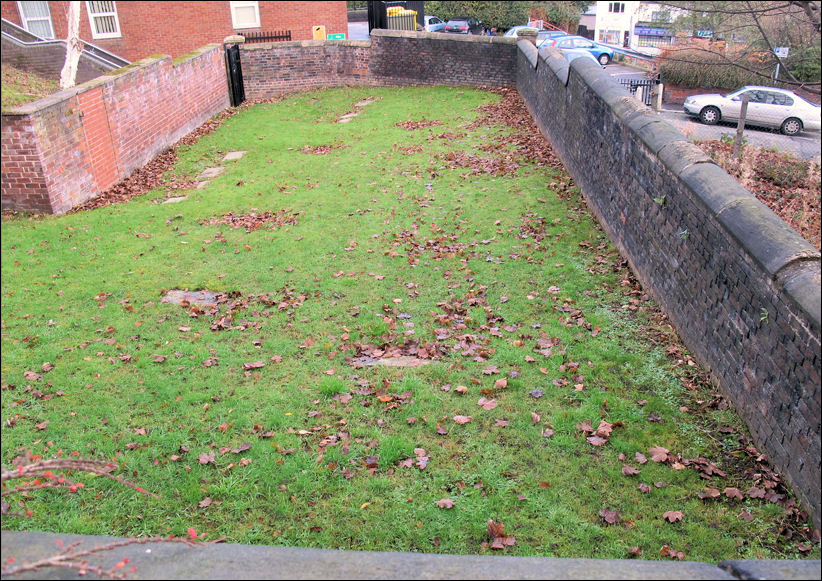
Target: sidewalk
[{"x": 225, "y": 561}]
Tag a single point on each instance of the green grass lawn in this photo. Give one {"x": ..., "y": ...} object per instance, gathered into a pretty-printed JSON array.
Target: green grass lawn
[
  {"x": 415, "y": 229},
  {"x": 20, "y": 87}
]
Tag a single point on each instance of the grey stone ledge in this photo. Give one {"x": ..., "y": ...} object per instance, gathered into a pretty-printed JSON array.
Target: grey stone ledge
[
  {"x": 657, "y": 134},
  {"x": 804, "y": 285},
  {"x": 764, "y": 235},
  {"x": 680, "y": 155},
  {"x": 530, "y": 52},
  {"x": 225, "y": 561}
]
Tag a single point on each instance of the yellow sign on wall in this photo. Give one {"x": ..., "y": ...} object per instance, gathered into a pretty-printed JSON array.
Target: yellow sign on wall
[{"x": 319, "y": 32}]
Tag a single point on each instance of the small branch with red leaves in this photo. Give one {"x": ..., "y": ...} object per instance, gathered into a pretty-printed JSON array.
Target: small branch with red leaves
[{"x": 69, "y": 558}]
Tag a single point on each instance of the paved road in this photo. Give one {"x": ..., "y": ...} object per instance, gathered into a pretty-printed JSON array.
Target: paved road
[{"x": 805, "y": 145}]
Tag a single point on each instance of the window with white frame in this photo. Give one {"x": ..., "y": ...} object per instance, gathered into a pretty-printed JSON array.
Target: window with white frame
[
  {"x": 616, "y": 6},
  {"x": 102, "y": 16},
  {"x": 36, "y": 18},
  {"x": 245, "y": 14}
]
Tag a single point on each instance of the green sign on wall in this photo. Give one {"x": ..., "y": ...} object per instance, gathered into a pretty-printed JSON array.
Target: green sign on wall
[{"x": 340, "y": 36}]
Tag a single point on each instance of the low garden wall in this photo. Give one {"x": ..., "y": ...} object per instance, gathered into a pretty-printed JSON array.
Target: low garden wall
[
  {"x": 741, "y": 287},
  {"x": 64, "y": 149},
  {"x": 390, "y": 58}
]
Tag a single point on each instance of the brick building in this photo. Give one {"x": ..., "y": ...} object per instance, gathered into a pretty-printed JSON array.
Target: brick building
[{"x": 135, "y": 30}]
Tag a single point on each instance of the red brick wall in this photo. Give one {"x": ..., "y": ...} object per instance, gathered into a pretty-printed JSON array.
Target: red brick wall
[
  {"x": 176, "y": 28},
  {"x": 22, "y": 173},
  {"x": 60, "y": 151}
]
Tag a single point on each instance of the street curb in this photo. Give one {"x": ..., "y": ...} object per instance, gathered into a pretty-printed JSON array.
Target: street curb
[{"x": 227, "y": 561}]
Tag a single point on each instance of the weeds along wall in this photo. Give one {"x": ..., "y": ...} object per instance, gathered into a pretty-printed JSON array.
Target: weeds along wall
[
  {"x": 741, "y": 287},
  {"x": 64, "y": 149}
]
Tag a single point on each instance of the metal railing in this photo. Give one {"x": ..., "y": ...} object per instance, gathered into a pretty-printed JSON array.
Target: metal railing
[{"x": 277, "y": 36}]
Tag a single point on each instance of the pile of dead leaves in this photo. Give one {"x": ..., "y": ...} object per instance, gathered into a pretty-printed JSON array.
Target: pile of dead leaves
[
  {"x": 789, "y": 186},
  {"x": 413, "y": 125},
  {"x": 322, "y": 149},
  {"x": 254, "y": 221}
]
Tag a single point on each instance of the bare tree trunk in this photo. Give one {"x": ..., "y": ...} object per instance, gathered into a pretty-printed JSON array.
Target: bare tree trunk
[
  {"x": 740, "y": 127},
  {"x": 73, "y": 47}
]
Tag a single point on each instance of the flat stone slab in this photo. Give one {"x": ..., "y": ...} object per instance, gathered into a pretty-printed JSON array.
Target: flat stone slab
[
  {"x": 175, "y": 199},
  {"x": 232, "y": 155},
  {"x": 401, "y": 361},
  {"x": 364, "y": 102},
  {"x": 211, "y": 172},
  {"x": 226, "y": 561},
  {"x": 201, "y": 297}
]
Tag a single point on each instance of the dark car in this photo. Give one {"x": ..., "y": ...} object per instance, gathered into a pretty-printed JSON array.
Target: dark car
[{"x": 464, "y": 25}]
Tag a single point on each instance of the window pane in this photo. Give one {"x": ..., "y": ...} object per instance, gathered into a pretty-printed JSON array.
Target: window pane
[
  {"x": 105, "y": 24},
  {"x": 245, "y": 15},
  {"x": 35, "y": 9},
  {"x": 41, "y": 28}
]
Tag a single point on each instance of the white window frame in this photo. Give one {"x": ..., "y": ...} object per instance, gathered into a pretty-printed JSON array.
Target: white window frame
[
  {"x": 92, "y": 15},
  {"x": 25, "y": 21},
  {"x": 245, "y": 4}
]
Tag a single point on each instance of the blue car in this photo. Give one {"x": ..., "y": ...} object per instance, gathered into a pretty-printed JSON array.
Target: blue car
[{"x": 601, "y": 52}]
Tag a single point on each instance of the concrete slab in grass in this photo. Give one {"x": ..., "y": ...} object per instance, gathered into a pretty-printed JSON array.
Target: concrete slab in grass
[
  {"x": 234, "y": 155},
  {"x": 211, "y": 172}
]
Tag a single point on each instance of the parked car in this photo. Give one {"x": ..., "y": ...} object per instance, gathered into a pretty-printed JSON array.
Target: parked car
[
  {"x": 432, "y": 24},
  {"x": 514, "y": 30},
  {"x": 464, "y": 25},
  {"x": 767, "y": 107},
  {"x": 572, "y": 54},
  {"x": 542, "y": 35},
  {"x": 601, "y": 52}
]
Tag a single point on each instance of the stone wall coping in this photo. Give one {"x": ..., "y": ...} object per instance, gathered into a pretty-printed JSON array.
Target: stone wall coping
[
  {"x": 476, "y": 38},
  {"x": 530, "y": 51},
  {"x": 556, "y": 62}
]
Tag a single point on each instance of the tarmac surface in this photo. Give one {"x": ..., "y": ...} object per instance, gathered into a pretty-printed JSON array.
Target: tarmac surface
[{"x": 227, "y": 561}]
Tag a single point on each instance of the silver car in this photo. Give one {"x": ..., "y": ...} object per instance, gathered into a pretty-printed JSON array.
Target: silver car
[{"x": 767, "y": 107}]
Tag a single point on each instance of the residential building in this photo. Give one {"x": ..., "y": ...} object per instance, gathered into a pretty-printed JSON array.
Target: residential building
[
  {"x": 642, "y": 26},
  {"x": 137, "y": 29}
]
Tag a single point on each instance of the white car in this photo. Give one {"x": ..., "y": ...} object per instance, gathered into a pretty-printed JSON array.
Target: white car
[
  {"x": 433, "y": 24},
  {"x": 767, "y": 107}
]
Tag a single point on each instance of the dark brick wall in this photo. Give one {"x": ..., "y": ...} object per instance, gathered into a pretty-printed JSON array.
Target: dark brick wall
[
  {"x": 270, "y": 69},
  {"x": 741, "y": 287},
  {"x": 392, "y": 58},
  {"x": 432, "y": 58}
]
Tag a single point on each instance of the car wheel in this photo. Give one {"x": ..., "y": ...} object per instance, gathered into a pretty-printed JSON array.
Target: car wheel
[
  {"x": 709, "y": 115},
  {"x": 604, "y": 59},
  {"x": 791, "y": 126}
]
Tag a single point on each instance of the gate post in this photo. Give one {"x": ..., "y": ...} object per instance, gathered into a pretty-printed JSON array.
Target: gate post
[{"x": 233, "y": 69}]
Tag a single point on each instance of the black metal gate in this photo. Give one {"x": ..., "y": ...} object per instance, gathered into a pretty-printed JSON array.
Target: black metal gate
[
  {"x": 234, "y": 72},
  {"x": 647, "y": 85}
]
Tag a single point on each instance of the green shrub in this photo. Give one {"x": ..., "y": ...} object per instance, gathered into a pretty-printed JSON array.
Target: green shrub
[{"x": 698, "y": 68}]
